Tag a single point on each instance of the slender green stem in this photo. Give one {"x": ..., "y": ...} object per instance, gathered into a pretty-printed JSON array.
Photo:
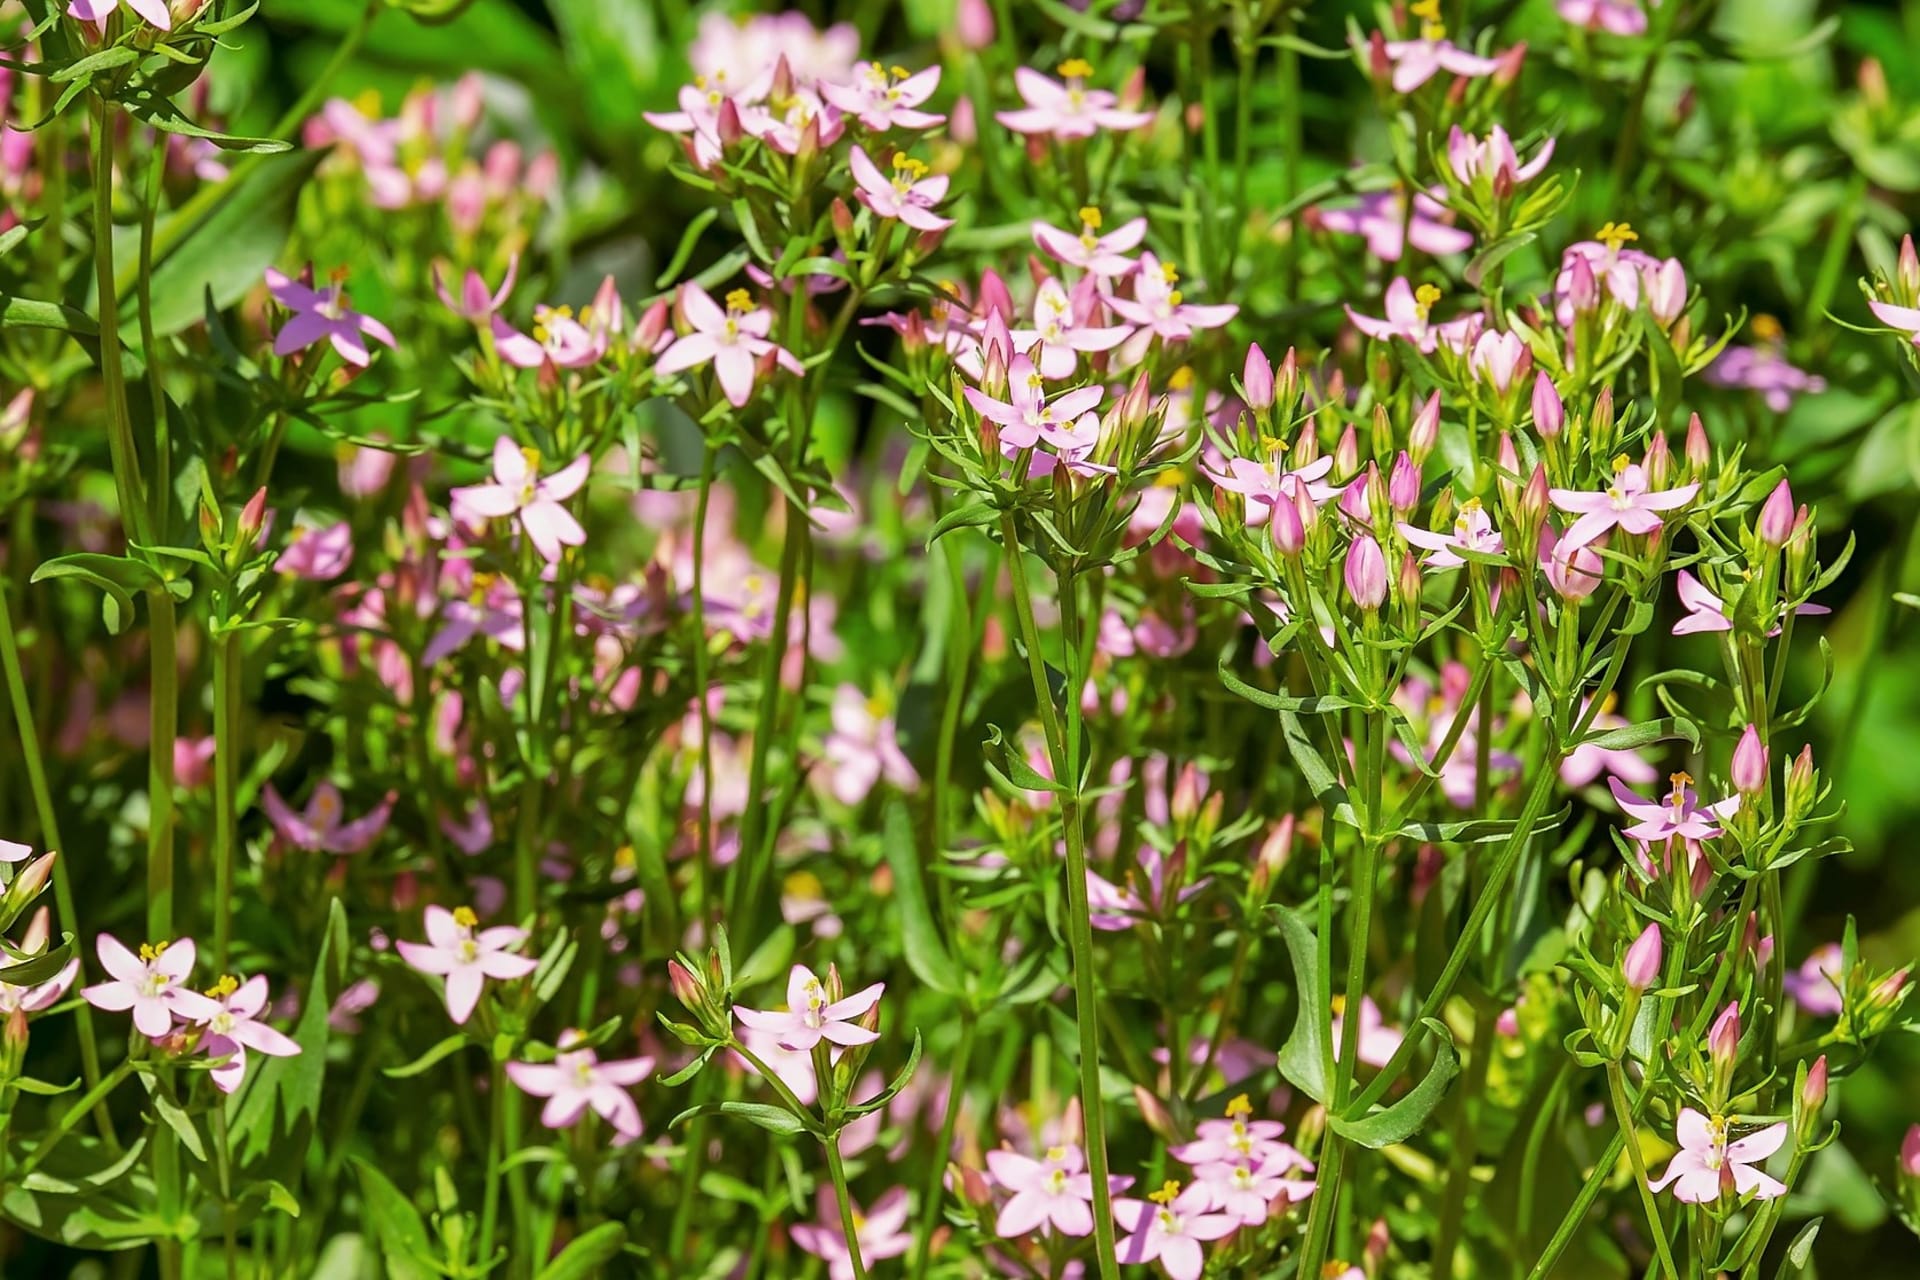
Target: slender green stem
[
  {"x": 937, "y": 1167},
  {"x": 50, "y": 835},
  {"x": 226, "y": 749},
  {"x": 126, "y": 460},
  {"x": 162, "y": 492},
  {"x": 959, "y": 656},
  {"x": 1577, "y": 1211},
  {"x": 163, "y": 718},
  {"x": 496, "y": 1133},
  {"x": 93, "y": 1098},
  {"x": 848, "y": 1227},
  {"x": 746, "y": 876},
  {"x": 1623, "y": 1115}
]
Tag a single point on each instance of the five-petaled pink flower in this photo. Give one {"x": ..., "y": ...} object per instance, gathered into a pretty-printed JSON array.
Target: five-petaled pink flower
[
  {"x": 1417, "y": 61},
  {"x": 576, "y": 1079},
  {"x": 235, "y": 1027},
  {"x": 1708, "y": 1166},
  {"x": 1160, "y": 309},
  {"x": 1063, "y": 330},
  {"x": 863, "y": 748},
  {"x": 152, "y": 984},
  {"x": 1472, "y": 531},
  {"x": 1029, "y": 415},
  {"x": 1169, "y": 1227},
  {"x": 1680, "y": 814},
  {"x": 559, "y": 340},
  {"x": 1052, "y": 1193},
  {"x": 908, "y": 196},
  {"x": 883, "y": 98},
  {"x": 1381, "y": 216},
  {"x": 324, "y": 317},
  {"x": 318, "y": 555},
  {"x": 881, "y": 1232},
  {"x": 1237, "y": 1138},
  {"x": 1816, "y": 985},
  {"x": 1408, "y": 311},
  {"x": 1069, "y": 110},
  {"x": 98, "y": 11},
  {"x": 320, "y": 828},
  {"x": 519, "y": 490},
  {"x": 466, "y": 955},
  {"x": 1492, "y": 157},
  {"x": 1245, "y": 1190},
  {"x": 1627, "y": 503},
  {"x": 732, "y": 341},
  {"x": 812, "y": 1015},
  {"x": 1708, "y": 612},
  {"x": 1096, "y": 254},
  {"x": 475, "y": 302}
]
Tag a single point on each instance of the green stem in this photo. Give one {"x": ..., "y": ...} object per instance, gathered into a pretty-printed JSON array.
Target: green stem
[
  {"x": 959, "y": 656},
  {"x": 496, "y": 1131},
  {"x": 937, "y": 1167},
  {"x": 847, "y": 1225},
  {"x": 1623, "y": 1115},
  {"x": 156, "y": 391},
  {"x": 50, "y": 836},
  {"x": 126, "y": 460},
  {"x": 163, "y": 717},
  {"x": 226, "y": 747},
  {"x": 94, "y": 1097},
  {"x": 746, "y": 876},
  {"x": 704, "y": 868}
]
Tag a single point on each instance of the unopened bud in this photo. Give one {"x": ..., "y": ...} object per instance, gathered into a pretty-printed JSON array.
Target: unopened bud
[
  {"x": 1403, "y": 489},
  {"x": 1723, "y": 1043},
  {"x": 1256, "y": 380},
  {"x": 1776, "y": 516},
  {"x": 1425, "y": 431},
  {"x": 1549, "y": 414},
  {"x": 1641, "y": 965},
  {"x": 1658, "y": 464},
  {"x": 727, "y": 125},
  {"x": 1288, "y": 531},
  {"x": 1750, "y": 763},
  {"x": 1155, "y": 1113},
  {"x": 1583, "y": 291},
  {"x": 687, "y": 989},
  {"x": 1810, "y": 1098},
  {"x": 1910, "y": 1153},
  {"x": 1346, "y": 455},
  {"x": 1366, "y": 574},
  {"x": 1908, "y": 272},
  {"x": 1801, "y": 781},
  {"x": 1699, "y": 449}
]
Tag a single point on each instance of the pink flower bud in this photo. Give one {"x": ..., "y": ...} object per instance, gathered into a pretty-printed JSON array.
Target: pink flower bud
[
  {"x": 1256, "y": 379},
  {"x": 1583, "y": 291},
  {"x": 1777, "y": 516},
  {"x": 1366, "y": 573},
  {"x": 1813, "y": 1091},
  {"x": 1750, "y": 763},
  {"x": 974, "y": 24},
  {"x": 1549, "y": 415},
  {"x": 1909, "y": 270},
  {"x": 1403, "y": 489},
  {"x": 253, "y": 518},
  {"x": 1346, "y": 454},
  {"x": 1658, "y": 463},
  {"x": 1534, "y": 501},
  {"x": 687, "y": 989},
  {"x": 1910, "y": 1145},
  {"x": 1409, "y": 576},
  {"x": 1641, "y": 965},
  {"x": 727, "y": 126},
  {"x": 1699, "y": 448},
  {"x": 1666, "y": 286},
  {"x": 1723, "y": 1041},
  {"x": 1425, "y": 432},
  {"x": 1288, "y": 531}
]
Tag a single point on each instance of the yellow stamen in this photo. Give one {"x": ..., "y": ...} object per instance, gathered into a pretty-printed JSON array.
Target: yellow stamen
[
  {"x": 739, "y": 300},
  {"x": 1766, "y": 328},
  {"x": 1621, "y": 462},
  {"x": 151, "y": 951},
  {"x": 1616, "y": 234},
  {"x": 1090, "y": 217},
  {"x": 1423, "y": 299},
  {"x": 1169, "y": 272},
  {"x": 625, "y": 858},
  {"x": 464, "y": 917},
  {"x": 532, "y": 455},
  {"x": 1169, "y": 1192},
  {"x": 1056, "y": 1154},
  {"x": 1240, "y": 1106},
  {"x": 1182, "y": 378},
  {"x": 1075, "y": 68},
  {"x": 227, "y": 985}
]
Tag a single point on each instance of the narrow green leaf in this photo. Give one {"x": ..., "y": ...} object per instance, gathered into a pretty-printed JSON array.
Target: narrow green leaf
[
  {"x": 1403, "y": 1118},
  {"x": 1303, "y": 1057}
]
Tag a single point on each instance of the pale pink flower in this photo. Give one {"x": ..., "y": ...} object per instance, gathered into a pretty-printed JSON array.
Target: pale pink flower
[
  {"x": 1707, "y": 1165},
  {"x": 475, "y": 302},
  {"x": 809, "y": 1018},
  {"x": 1061, "y": 324},
  {"x": 1708, "y": 612},
  {"x": 1161, "y": 310},
  {"x": 732, "y": 341},
  {"x": 1098, "y": 255},
  {"x": 98, "y": 11},
  {"x": 1573, "y": 572},
  {"x": 1381, "y": 216},
  {"x": 1499, "y": 359},
  {"x": 1627, "y": 503},
  {"x": 1763, "y": 369},
  {"x": 1816, "y": 985},
  {"x": 151, "y": 984},
  {"x": 882, "y": 98},
  {"x": 1236, "y": 1139},
  {"x": 1170, "y": 1229},
  {"x": 1050, "y": 1194},
  {"x": 1029, "y": 416},
  {"x": 1246, "y": 1190},
  {"x": 1492, "y": 157},
  {"x": 1588, "y": 761},
  {"x": 493, "y": 611},
  {"x": 1681, "y": 814},
  {"x": 1267, "y": 484},
  {"x": 1620, "y": 17},
  {"x": 518, "y": 490},
  {"x": 559, "y": 341},
  {"x": 1068, "y": 110},
  {"x": 321, "y": 828},
  {"x": 1417, "y": 61},
  {"x": 1378, "y": 1042},
  {"x": 13, "y": 851},
  {"x": 235, "y": 1027},
  {"x": 319, "y": 317},
  {"x": 909, "y": 196},
  {"x": 863, "y": 748},
  {"x": 576, "y": 1079},
  {"x": 36, "y": 997},
  {"x": 1408, "y": 318},
  {"x": 1904, "y": 319},
  {"x": 881, "y": 1232},
  {"x": 466, "y": 955},
  {"x": 1472, "y": 531},
  {"x": 318, "y": 555}
]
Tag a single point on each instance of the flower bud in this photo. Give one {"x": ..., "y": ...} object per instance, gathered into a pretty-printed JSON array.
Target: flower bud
[
  {"x": 1288, "y": 531},
  {"x": 1666, "y": 286},
  {"x": 1910, "y": 1145},
  {"x": 1425, "y": 432},
  {"x": 727, "y": 126},
  {"x": 1810, "y": 1098},
  {"x": 1750, "y": 763},
  {"x": 1641, "y": 965},
  {"x": 973, "y": 23},
  {"x": 1801, "y": 782},
  {"x": 1600, "y": 424},
  {"x": 1583, "y": 291},
  {"x": 1403, "y": 489},
  {"x": 1658, "y": 464},
  {"x": 1408, "y": 588},
  {"x": 1777, "y": 517},
  {"x": 1908, "y": 272},
  {"x": 1256, "y": 380},
  {"x": 1366, "y": 573},
  {"x": 1699, "y": 449},
  {"x": 31, "y": 881},
  {"x": 1723, "y": 1042},
  {"x": 1549, "y": 414},
  {"x": 1346, "y": 455},
  {"x": 1507, "y": 65},
  {"x": 1155, "y": 1113},
  {"x": 1272, "y": 857},
  {"x": 13, "y": 1044},
  {"x": 1357, "y": 499}
]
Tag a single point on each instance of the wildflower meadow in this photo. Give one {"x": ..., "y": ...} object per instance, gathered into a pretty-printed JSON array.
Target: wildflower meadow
[{"x": 941, "y": 639}]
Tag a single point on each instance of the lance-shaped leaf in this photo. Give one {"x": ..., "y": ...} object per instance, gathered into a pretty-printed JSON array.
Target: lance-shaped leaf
[
  {"x": 1303, "y": 1058},
  {"x": 1401, "y": 1119}
]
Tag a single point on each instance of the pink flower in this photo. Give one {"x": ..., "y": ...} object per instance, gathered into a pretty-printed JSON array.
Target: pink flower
[
  {"x": 1096, "y": 254},
  {"x": 1499, "y": 359},
  {"x": 863, "y": 748},
  {"x": 1708, "y": 1165},
  {"x": 1170, "y": 1228},
  {"x": 1061, "y": 325},
  {"x": 1417, "y": 61},
  {"x": 1378, "y": 1041},
  {"x": 1816, "y": 985},
  {"x": 1627, "y": 503},
  {"x": 1381, "y": 216},
  {"x": 1048, "y": 1194},
  {"x": 1161, "y": 310},
  {"x": 1238, "y": 1139},
  {"x": 476, "y": 303},
  {"x": 150, "y": 984},
  {"x": 1472, "y": 531},
  {"x": 98, "y": 11},
  {"x": 1621, "y": 17},
  {"x": 1069, "y": 110},
  {"x": 1763, "y": 369},
  {"x": 1266, "y": 485},
  {"x": 1707, "y": 612},
  {"x": 1366, "y": 573},
  {"x": 1681, "y": 814},
  {"x": 576, "y": 1079},
  {"x": 1904, "y": 319},
  {"x": 909, "y": 196},
  {"x": 811, "y": 1017},
  {"x": 1407, "y": 318},
  {"x": 1493, "y": 158},
  {"x": 518, "y": 490},
  {"x": 1588, "y": 761},
  {"x": 882, "y": 99},
  {"x": 881, "y": 1232},
  {"x": 235, "y": 1028},
  {"x": 493, "y": 611},
  {"x": 320, "y": 829},
  {"x": 1246, "y": 1191},
  {"x": 34, "y": 998},
  {"x": 317, "y": 555},
  {"x": 1030, "y": 416},
  {"x": 323, "y": 317},
  {"x": 466, "y": 955},
  {"x": 732, "y": 341}
]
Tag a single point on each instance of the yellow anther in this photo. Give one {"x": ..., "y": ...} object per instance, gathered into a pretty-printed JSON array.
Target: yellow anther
[
  {"x": 1616, "y": 234},
  {"x": 1335, "y": 1267},
  {"x": 1621, "y": 462},
  {"x": 1470, "y": 505},
  {"x": 625, "y": 858},
  {"x": 1182, "y": 378},
  {"x": 1339, "y": 1004},
  {"x": 1090, "y": 218},
  {"x": 912, "y": 168},
  {"x": 1240, "y": 1106},
  {"x": 1175, "y": 298},
  {"x": 1681, "y": 780},
  {"x": 1075, "y": 68},
  {"x": 532, "y": 455},
  {"x": 1429, "y": 10},
  {"x": 151, "y": 951},
  {"x": 739, "y": 300},
  {"x": 804, "y": 884},
  {"x": 464, "y": 917},
  {"x": 1766, "y": 328},
  {"x": 1169, "y": 1192},
  {"x": 1056, "y": 1154},
  {"x": 227, "y": 985},
  {"x": 1169, "y": 272},
  {"x": 901, "y": 73},
  {"x": 1424, "y": 297}
]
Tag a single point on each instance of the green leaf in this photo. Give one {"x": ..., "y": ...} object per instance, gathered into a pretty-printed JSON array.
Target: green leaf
[
  {"x": 162, "y": 114},
  {"x": 1314, "y": 772},
  {"x": 1012, "y": 765},
  {"x": 1311, "y": 704},
  {"x": 893, "y": 1088},
  {"x": 1632, "y": 736},
  {"x": 271, "y": 1118},
  {"x": 920, "y": 938},
  {"x": 771, "y": 1118},
  {"x": 588, "y": 1255},
  {"x": 1403, "y": 1118},
  {"x": 689, "y": 239},
  {"x": 402, "y": 1236},
  {"x": 445, "y": 1049},
  {"x": 1476, "y": 832},
  {"x": 971, "y": 516},
  {"x": 39, "y": 968},
  {"x": 1303, "y": 1058},
  {"x": 1800, "y": 1251},
  {"x": 176, "y": 1118}
]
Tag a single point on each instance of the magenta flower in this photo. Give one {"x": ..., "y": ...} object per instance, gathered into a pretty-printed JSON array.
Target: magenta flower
[
  {"x": 863, "y": 748},
  {"x": 1493, "y": 158},
  {"x": 1381, "y": 216},
  {"x": 1708, "y": 612},
  {"x": 1472, "y": 531},
  {"x": 1620, "y": 17},
  {"x": 810, "y": 1017},
  {"x": 475, "y": 302},
  {"x": 491, "y": 609},
  {"x": 1266, "y": 485},
  {"x": 98, "y": 11},
  {"x": 320, "y": 828},
  {"x": 1116, "y": 909},
  {"x": 908, "y": 196},
  {"x": 1680, "y": 815},
  {"x": 466, "y": 955},
  {"x": 1238, "y": 1139},
  {"x": 1048, "y": 1194},
  {"x": 1246, "y": 1191},
  {"x": 1169, "y": 1228},
  {"x": 1763, "y": 369},
  {"x": 318, "y": 555},
  {"x": 558, "y": 340},
  {"x": 324, "y": 317},
  {"x": 1162, "y": 311},
  {"x": 732, "y": 341},
  {"x": 1408, "y": 311},
  {"x": 1096, "y": 254},
  {"x": 1029, "y": 416},
  {"x": 1707, "y": 1165},
  {"x": 1378, "y": 1042},
  {"x": 882, "y": 98},
  {"x": 880, "y": 1232},
  {"x": 1626, "y": 503},
  {"x": 1069, "y": 110},
  {"x": 577, "y": 1080},
  {"x": 151, "y": 984},
  {"x": 235, "y": 1027},
  {"x": 1816, "y": 985},
  {"x": 1417, "y": 61},
  {"x": 518, "y": 490}
]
